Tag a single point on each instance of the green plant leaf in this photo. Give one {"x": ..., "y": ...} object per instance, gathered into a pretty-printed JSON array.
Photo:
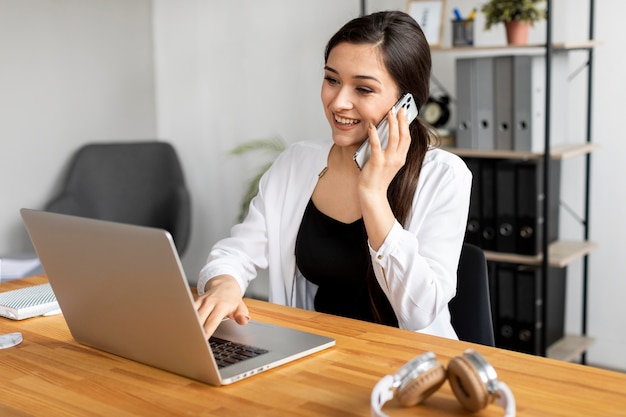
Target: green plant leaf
[
  {"x": 274, "y": 146},
  {"x": 500, "y": 11}
]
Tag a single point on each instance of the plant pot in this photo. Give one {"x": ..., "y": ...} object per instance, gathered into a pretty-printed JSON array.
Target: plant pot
[{"x": 517, "y": 32}]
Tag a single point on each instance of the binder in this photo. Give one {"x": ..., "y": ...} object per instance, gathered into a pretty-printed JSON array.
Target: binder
[
  {"x": 506, "y": 231},
  {"x": 466, "y": 135},
  {"x": 529, "y": 308},
  {"x": 473, "y": 231},
  {"x": 503, "y": 102},
  {"x": 530, "y": 195},
  {"x": 487, "y": 204},
  {"x": 485, "y": 103},
  {"x": 529, "y": 95},
  {"x": 527, "y": 105},
  {"x": 555, "y": 303},
  {"x": 475, "y": 105},
  {"x": 505, "y": 306}
]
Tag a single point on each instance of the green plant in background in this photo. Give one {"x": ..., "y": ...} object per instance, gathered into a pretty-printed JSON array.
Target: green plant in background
[
  {"x": 501, "y": 11},
  {"x": 273, "y": 146}
]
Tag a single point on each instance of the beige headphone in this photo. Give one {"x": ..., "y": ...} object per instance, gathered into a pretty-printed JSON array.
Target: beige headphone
[{"x": 473, "y": 381}]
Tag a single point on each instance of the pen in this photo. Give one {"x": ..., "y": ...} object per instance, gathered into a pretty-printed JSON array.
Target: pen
[
  {"x": 457, "y": 14},
  {"x": 472, "y": 15}
]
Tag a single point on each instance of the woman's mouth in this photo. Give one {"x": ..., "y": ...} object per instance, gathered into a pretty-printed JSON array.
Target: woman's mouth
[{"x": 346, "y": 122}]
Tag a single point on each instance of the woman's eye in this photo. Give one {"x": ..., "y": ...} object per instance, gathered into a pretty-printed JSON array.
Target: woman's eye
[
  {"x": 364, "y": 90},
  {"x": 331, "y": 80}
]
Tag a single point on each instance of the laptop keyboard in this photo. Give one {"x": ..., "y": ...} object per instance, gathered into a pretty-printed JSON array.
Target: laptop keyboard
[{"x": 228, "y": 353}]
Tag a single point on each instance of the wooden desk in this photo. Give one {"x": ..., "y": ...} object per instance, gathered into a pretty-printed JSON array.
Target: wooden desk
[{"x": 51, "y": 375}]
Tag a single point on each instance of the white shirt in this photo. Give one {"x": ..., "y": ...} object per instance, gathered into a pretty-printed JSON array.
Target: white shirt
[{"x": 416, "y": 267}]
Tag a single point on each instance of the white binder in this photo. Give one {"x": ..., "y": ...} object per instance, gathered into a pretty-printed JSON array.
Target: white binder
[
  {"x": 485, "y": 103},
  {"x": 466, "y": 135},
  {"x": 475, "y": 103},
  {"x": 529, "y": 91},
  {"x": 503, "y": 102}
]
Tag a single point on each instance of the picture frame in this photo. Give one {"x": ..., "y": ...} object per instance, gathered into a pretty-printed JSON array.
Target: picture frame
[{"x": 430, "y": 15}]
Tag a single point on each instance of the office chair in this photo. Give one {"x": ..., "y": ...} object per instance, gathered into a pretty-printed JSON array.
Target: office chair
[
  {"x": 139, "y": 183},
  {"x": 470, "y": 309}
]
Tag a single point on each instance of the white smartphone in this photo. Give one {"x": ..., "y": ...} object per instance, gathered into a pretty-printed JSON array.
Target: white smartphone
[{"x": 362, "y": 155}]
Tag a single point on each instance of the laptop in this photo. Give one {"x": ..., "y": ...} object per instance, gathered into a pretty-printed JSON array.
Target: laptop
[{"x": 122, "y": 290}]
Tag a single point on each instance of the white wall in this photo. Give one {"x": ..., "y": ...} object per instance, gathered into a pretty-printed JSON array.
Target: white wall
[
  {"x": 70, "y": 72},
  {"x": 228, "y": 71}
]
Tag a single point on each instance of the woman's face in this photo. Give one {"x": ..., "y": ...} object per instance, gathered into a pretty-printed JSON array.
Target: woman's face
[{"x": 357, "y": 90}]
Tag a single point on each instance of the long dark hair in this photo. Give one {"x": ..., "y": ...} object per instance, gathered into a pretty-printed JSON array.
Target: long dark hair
[{"x": 406, "y": 55}]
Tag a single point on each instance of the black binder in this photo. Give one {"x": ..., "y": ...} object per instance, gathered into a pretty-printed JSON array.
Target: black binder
[
  {"x": 528, "y": 310},
  {"x": 506, "y": 232},
  {"x": 517, "y": 303},
  {"x": 530, "y": 303},
  {"x": 504, "y": 301},
  {"x": 473, "y": 231},
  {"x": 488, "y": 204},
  {"x": 530, "y": 195}
]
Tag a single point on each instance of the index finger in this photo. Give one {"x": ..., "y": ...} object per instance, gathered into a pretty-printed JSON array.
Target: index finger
[
  {"x": 404, "y": 130},
  {"x": 208, "y": 314},
  {"x": 398, "y": 127}
]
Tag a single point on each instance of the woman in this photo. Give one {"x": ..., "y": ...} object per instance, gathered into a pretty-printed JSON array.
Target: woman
[{"x": 379, "y": 244}]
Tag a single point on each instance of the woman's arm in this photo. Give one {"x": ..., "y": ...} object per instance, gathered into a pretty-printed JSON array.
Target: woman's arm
[{"x": 417, "y": 266}]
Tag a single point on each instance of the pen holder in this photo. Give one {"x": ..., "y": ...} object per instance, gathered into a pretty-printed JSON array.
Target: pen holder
[{"x": 463, "y": 32}]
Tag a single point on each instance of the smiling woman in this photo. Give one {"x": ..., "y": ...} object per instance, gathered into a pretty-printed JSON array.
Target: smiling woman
[{"x": 380, "y": 243}]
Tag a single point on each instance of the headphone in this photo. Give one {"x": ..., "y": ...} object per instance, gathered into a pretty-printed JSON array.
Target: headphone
[{"x": 473, "y": 381}]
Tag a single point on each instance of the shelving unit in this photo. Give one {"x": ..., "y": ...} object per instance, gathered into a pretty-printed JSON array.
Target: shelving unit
[{"x": 560, "y": 253}]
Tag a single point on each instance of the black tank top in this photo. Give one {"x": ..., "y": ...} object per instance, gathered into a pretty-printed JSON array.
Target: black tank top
[{"x": 335, "y": 256}]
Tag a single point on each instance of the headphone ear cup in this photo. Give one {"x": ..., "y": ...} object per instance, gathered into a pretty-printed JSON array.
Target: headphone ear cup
[
  {"x": 466, "y": 384},
  {"x": 423, "y": 386}
]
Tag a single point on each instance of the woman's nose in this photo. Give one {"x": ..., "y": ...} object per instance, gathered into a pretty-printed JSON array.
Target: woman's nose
[{"x": 342, "y": 100}]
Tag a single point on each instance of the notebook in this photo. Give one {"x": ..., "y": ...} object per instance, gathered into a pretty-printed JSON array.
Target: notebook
[
  {"x": 122, "y": 290},
  {"x": 28, "y": 302}
]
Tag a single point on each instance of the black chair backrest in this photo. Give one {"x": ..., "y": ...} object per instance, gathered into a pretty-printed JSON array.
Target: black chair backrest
[
  {"x": 139, "y": 183},
  {"x": 470, "y": 309}
]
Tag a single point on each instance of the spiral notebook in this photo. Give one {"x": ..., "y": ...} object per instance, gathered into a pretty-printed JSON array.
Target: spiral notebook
[{"x": 28, "y": 302}]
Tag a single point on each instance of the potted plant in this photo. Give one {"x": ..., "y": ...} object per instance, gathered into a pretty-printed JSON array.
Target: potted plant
[
  {"x": 517, "y": 16},
  {"x": 273, "y": 146}
]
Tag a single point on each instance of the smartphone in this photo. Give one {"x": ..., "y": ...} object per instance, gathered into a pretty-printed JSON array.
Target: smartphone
[{"x": 362, "y": 155}]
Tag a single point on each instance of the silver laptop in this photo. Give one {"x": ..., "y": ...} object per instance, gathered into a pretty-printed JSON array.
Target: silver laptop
[{"x": 122, "y": 289}]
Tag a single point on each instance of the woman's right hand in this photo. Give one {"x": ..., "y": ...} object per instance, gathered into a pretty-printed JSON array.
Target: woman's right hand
[{"x": 222, "y": 298}]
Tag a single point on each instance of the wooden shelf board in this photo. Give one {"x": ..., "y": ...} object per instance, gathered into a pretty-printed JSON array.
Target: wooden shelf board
[
  {"x": 560, "y": 254},
  {"x": 569, "y": 347},
  {"x": 505, "y": 49},
  {"x": 569, "y": 150},
  {"x": 562, "y": 151}
]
